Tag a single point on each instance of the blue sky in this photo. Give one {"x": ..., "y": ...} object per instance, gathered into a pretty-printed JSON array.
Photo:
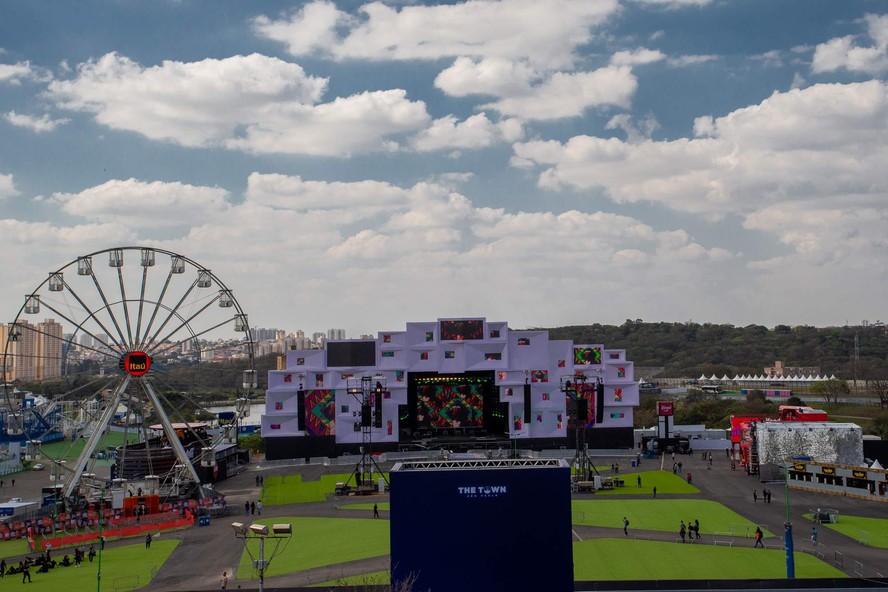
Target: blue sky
[{"x": 362, "y": 165}]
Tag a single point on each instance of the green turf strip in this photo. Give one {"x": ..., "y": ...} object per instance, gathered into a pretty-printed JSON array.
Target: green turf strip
[
  {"x": 375, "y": 578},
  {"x": 383, "y": 506},
  {"x": 281, "y": 490},
  {"x": 664, "y": 481},
  {"x": 872, "y": 532},
  {"x": 317, "y": 542},
  {"x": 621, "y": 559},
  {"x": 662, "y": 515},
  {"x": 67, "y": 450},
  {"x": 123, "y": 568}
]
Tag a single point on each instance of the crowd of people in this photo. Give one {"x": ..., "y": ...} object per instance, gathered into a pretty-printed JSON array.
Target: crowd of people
[{"x": 44, "y": 562}]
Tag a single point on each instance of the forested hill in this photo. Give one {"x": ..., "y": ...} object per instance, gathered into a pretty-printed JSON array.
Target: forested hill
[{"x": 692, "y": 349}]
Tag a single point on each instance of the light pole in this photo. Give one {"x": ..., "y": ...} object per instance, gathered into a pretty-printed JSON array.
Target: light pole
[
  {"x": 101, "y": 540},
  {"x": 57, "y": 466},
  {"x": 278, "y": 532},
  {"x": 787, "y": 529}
]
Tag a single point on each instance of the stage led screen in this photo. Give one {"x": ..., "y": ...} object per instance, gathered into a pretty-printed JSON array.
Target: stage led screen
[
  {"x": 320, "y": 413},
  {"x": 462, "y": 330},
  {"x": 586, "y": 356},
  {"x": 449, "y": 405},
  {"x": 349, "y": 354}
]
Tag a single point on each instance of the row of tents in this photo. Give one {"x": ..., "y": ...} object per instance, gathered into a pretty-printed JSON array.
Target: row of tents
[{"x": 738, "y": 378}]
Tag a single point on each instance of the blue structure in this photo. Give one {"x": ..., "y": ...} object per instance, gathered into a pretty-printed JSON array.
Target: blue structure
[{"x": 482, "y": 525}]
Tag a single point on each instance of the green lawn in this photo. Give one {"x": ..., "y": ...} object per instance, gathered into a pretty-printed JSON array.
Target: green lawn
[
  {"x": 280, "y": 490},
  {"x": 662, "y": 515},
  {"x": 66, "y": 450},
  {"x": 664, "y": 481},
  {"x": 374, "y": 578},
  {"x": 382, "y": 506},
  {"x": 872, "y": 532},
  {"x": 317, "y": 542},
  {"x": 126, "y": 567},
  {"x": 622, "y": 559}
]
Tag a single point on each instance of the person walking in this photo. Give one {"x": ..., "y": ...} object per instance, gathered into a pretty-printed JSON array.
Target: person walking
[
  {"x": 252, "y": 508},
  {"x": 758, "y": 537},
  {"x": 755, "y": 496},
  {"x": 625, "y": 526},
  {"x": 655, "y": 491},
  {"x": 246, "y": 508},
  {"x": 697, "y": 528},
  {"x": 148, "y": 541},
  {"x": 638, "y": 480},
  {"x": 682, "y": 531},
  {"x": 375, "y": 511},
  {"x": 259, "y": 507},
  {"x": 814, "y": 535},
  {"x": 26, "y": 571},
  {"x": 224, "y": 583}
]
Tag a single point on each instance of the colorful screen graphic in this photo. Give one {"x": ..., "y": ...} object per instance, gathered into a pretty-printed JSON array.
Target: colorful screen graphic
[
  {"x": 449, "y": 405},
  {"x": 585, "y": 356},
  {"x": 320, "y": 413},
  {"x": 462, "y": 330}
]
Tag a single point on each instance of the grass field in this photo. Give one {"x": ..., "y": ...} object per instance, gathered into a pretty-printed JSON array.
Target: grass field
[
  {"x": 612, "y": 559},
  {"x": 67, "y": 450},
  {"x": 664, "y": 481},
  {"x": 872, "y": 532},
  {"x": 291, "y": 489},
  {"x": 621, "y": 559},
  {"x": 662, "y": 515},
  {"x": 317, "y": 542},
  {"x": 126, "y": 567}
]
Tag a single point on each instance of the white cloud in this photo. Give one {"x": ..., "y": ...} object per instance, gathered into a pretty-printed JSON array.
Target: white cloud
[
  {"x": 638, "y": 56},
  {"x": 35, "y": 124},
  {"x": 475, "y": 132},
  {"x": 252, "y": 103},
  {"x": 15, "y": 73},
  {"x": 674, "y": 4},
  {"x": 843, "y": 53},
  {"x": 635, "y": 132},
  {"x": 805, "y": 165},
  {"x": 7, "y": 187},
  {"x": 492, "y": 76},
  {"x": 294, "y": 193},
  {"x": 146, "y": 205},
  {"x": 544, "y": 34},
  {"x": 570, "y": 94}
]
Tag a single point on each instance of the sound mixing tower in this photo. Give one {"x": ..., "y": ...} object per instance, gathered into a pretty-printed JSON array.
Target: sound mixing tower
[
  {"x": 576, "y": 391},
  {"x": 370, "y": 396}
]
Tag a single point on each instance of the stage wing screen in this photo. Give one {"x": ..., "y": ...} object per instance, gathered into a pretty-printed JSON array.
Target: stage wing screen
[{"x": 348, "y": 354}]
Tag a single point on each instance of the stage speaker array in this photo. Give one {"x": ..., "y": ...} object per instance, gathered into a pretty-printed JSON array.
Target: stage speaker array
[
  {"x": 599, "y": 403},
  {"x": 365, "y": 416},
  {"x": 377, "y": 406},
  {"x": 300, "y": 409},
  {"x": 582, "y": 411},
  {"x": 526, "y": 404}
]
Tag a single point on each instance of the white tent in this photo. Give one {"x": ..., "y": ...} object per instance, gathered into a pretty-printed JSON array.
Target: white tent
[
  {"x": 725, "y": 378},
  {"x": 702, "y": 377},
  {"x": 876, "y": 465},
  {"x": 833, "y": 377},
  {"x": 714, "y": 377}
]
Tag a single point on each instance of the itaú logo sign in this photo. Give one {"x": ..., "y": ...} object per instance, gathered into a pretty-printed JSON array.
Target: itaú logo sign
[
  {"x": 136, "y": 363},
  {"x": 482, "y": 491}
]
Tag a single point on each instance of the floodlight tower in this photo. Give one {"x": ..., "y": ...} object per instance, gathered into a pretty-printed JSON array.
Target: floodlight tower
[
  {"x": 278, "y": 533},
  {"x": 368, "y": 391},
  {"x": 574, "y": 387}
]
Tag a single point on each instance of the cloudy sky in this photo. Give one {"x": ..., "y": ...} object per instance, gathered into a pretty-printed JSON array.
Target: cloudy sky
[{"x": 340, "y": 164}]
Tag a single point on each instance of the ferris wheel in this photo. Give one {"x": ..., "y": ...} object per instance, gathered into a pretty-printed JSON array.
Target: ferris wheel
[{"x": 108, "y": 368}]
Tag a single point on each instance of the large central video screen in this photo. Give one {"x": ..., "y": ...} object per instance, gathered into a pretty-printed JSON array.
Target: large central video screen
[
  {"x": 449, "y": 405},
  {"x": 461, "y": 330},
  {"x": 351, "y": 354}
]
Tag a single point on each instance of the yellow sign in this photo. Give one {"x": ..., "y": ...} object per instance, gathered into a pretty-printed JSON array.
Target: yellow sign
[
  {"x": 828, "y": 470},
  {"x": 859, "y": 474}
]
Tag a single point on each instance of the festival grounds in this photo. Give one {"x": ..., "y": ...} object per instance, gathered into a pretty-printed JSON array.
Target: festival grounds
[{"x": 336, "y": 540}]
